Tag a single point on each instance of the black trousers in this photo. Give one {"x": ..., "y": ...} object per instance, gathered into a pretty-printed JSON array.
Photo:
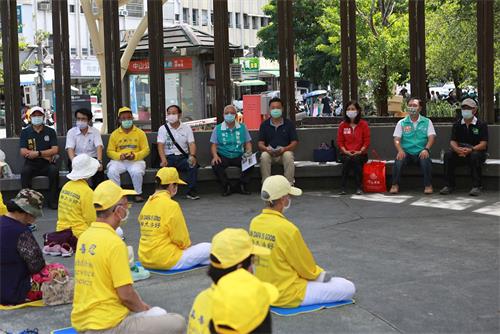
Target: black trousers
[
  {"x": 220, "y": 170},
  {"x": 474, "y": 160},
  {"x": 94, "y": 180},
  {"x": 41, "y": 167},
  {"x": 355, "y": 164}
]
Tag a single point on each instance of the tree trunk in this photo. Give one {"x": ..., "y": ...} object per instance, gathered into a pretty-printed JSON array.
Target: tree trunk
[{"x": 381, "y": 94}]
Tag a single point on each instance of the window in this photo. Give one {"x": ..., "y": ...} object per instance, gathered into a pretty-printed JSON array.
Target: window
[
  {"x": 135, "y": 8},
  {"x": 246, "y": 22},
  {"x": 185, "y": 15},
  {"x": 73, "y": 51},
  {"x": 177, "y": 17},
  {"x": 204, "y": 17},
  {"x": 71, "y": 8},
  {"x": 237, "y": 19},
  {"x": 264, "y": 21},
  {"x": 195, "y": 17},
  {"x": 255, "y": 22},
  {"x": 230, "y": 20},
  {"x": 85, "y": 52}
]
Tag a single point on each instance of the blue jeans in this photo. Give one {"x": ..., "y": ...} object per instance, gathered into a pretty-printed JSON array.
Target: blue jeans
[
  {"x": 182, "y": 165},
  {"x": 425, "y": 167}
]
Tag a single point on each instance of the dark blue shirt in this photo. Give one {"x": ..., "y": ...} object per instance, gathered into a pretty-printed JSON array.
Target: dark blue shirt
[
  {"x": 38, "y": 141},
  {"x": 471, "y": 135},
  {"x": 274, "y": 136}
]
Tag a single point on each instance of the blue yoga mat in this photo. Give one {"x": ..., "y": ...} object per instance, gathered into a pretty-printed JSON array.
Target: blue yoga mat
[
  {"x": 172, "y": 271},
  {"x": 67, "y": 330},
  {"x": 309, "y": 308}
]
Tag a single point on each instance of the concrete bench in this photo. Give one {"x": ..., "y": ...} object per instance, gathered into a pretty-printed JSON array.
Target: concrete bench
[{"x": 305, "y": 168}]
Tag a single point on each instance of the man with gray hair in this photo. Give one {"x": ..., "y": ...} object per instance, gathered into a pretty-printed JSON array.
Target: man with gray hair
[{"x": 230, "y": 142}]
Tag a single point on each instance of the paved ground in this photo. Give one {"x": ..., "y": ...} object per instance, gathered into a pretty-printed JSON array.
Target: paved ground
[{"x": 420, "y": 264}]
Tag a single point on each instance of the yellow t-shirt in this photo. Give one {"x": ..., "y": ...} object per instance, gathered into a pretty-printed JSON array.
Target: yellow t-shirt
[
  {"x": 3, "y": 208},
  {"x": 290, "y": 264},
  {"x": 164, "y": 234},
  {"x": 201, "y": 313},
  {"x": 76, "y": 210},
  {"x": 122, "y": 142},
  {"x": 101, "y": 266}
]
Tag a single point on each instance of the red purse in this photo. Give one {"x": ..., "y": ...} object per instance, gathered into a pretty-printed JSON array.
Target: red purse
[{"x": 374, "y": 175}]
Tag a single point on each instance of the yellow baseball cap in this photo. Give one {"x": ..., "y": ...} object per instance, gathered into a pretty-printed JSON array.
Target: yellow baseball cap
[
  {"x": 233, "y": 245},
  {"x": 169, "y": 175},
  {"x": 108, "y": 194},
  {"x": 277, "y": 186},
  {"x": 124, "y": 109},
  {"x": 241, "y": 301}
]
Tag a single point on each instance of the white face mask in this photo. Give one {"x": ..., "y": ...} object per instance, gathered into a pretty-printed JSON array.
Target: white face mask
[
  {"x": 286, "y": 207},
  {"x": 124, "y": 219},
  {"x": 352, "y": 114},
  {"x": 173, "y": 191},
  {"x": 37, "y": 120},
  {"x": 82, "y": 124},
  {"x": 172, "y": 118}
]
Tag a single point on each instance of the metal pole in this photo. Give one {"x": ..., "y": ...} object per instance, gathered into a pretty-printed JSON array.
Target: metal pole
[
  {"x": 11, "y": 67},
  {"x": 156, "y": 68},
  {"x": 485, "y": 60},
  {"x": 344, "y": 51},
  {"x": 353, "y": 65},
  {"x": 222, "y": 58},
  {"x": 418, "y": 75}
]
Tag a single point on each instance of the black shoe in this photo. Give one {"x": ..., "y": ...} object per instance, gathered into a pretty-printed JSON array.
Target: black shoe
[
  {"x": 192, "y": 194},
  {"x": 53, "y": 206},
  {"x": 226, "y": 191},
  {"x": 359, "y": 191},
  {"x": 342, "y": 192},
  {"x": 446, "y": 190},
  {"x": 476, "y": 191},
  {"x": 244, "y": 190}
]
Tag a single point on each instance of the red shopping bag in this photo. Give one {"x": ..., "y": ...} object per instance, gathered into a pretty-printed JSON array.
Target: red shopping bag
[{"x": 374, "y": 176}]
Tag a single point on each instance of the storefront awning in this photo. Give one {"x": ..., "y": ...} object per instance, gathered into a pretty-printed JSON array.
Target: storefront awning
[
  {"x": 276, "y": 73},
  {"x": 247, "y": 83}
]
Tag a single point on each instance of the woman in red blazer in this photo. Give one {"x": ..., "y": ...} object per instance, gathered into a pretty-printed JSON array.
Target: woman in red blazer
[{"x": 353, "y": 139}]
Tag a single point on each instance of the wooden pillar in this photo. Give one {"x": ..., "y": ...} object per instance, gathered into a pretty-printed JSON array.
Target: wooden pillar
[
  {"x": 112, "y": 61},
  {"x": 62, "y": 76},
  {"x": 353, "y": 63},
  {"x": 485, "y": 60},
  {"x": 156, "y": 60},
  {"x": 286, "y": 57},
  {"x": 222, "y": 58},
  {"x": 10, "y": 52},
  {"x": 418, "y": 77}
]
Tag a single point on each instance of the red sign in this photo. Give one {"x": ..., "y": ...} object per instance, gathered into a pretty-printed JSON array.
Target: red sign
[
  {"x": 170, "y": 64},
  {"x": 251, "y": 115}
]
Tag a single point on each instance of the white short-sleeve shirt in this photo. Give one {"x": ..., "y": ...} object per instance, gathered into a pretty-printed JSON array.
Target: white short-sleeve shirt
[
  {"x": 183, "y": 136},
  {"x": 84, "y": 143},
  {"x": 398, "y": 131}
]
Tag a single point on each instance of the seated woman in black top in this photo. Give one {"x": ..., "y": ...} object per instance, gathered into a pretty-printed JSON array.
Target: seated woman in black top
[{"x": 20, "y": 254}]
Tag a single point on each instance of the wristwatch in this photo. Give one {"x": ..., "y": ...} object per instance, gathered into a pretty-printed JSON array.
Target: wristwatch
[
  {"x": 425, "y": 148},
  {"x": 39, "y": 153}
]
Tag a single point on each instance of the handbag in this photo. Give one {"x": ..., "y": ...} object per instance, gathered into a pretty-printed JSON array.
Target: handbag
[
  {"x": 374, "y": 180},
  {"x": 53, "y": 284},
  {"x": 325, "y": 153},
  {"x": 61, "y": 237}
]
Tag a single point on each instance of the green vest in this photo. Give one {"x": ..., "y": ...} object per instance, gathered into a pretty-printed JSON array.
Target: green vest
[
  {"x": 413, "y": 140},
  {"x": 230, "y": 140}
]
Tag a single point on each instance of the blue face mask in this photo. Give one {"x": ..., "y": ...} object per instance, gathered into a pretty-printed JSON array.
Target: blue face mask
[
  {"x": 37, "y": 120},
  {"x": 467, "y": 114},
  {"x": 127, "y": 124},
  {"x": 276, "y": 113},
  {"x": 229, "y": 118}
]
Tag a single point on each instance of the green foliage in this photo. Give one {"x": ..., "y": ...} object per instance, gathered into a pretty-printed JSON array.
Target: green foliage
[
  {"x": 95, "y": 90},
  {"x": 439, "y": 109},
  {"x": 451, "y": 41},
  {"x": 318, "y": 67}
]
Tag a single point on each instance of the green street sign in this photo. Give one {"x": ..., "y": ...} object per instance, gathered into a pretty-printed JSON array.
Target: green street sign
[{"x": 250, "y": 65}]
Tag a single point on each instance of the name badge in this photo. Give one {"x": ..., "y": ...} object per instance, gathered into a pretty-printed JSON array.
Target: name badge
[
  {"x": 407, "y": 128},
  {"x": 475, "y": 131},
  {"x": 46, "y": 138},
  {"x": 347, "y": 131}
]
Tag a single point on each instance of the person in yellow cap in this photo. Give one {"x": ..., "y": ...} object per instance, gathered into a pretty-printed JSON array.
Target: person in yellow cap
[
  {"x": 165, "y": 242},
  {"x": 127, "y": 148},
  {"x": 241, "y": 304},
  {"x": 232, "y": 250},
  {"x": 291, "y": 266},
  {"x": 104, "y": 298},
  {"x": 3, "y": 208},
  {"x": 76, "y": 209}
]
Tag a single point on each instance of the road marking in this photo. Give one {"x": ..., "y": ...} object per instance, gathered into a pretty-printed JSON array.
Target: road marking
[
  {"x": 493, "y": 209},
  {"x": 458, "y": 204},
  {"x": 321, "y": 194},
  {"x": 382, "y": 198}
]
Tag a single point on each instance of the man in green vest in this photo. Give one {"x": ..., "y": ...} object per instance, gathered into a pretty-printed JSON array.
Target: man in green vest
[
  {"x": 413, "y": 138},
  {"x": 230, "y": 142}
]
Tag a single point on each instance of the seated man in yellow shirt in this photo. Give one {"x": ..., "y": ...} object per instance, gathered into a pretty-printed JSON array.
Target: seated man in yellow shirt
[
  {"x": 231, "y": 250},
  {"x": 165, "y": 242},
  {"x": 291, "y": 266},
  {"x": 127, "y": 148},
  {"x": 104, "y": 296},
  {"x": 76, "y": 209}
]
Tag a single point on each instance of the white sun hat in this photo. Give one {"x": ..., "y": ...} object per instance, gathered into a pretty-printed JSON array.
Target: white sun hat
[{"x": 83, "y": 167}]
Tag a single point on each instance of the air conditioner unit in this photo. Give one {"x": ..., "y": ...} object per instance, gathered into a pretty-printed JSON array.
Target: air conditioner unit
[
  {"x": 123, "y": 12},
  {"x": 44, "y": 6}
]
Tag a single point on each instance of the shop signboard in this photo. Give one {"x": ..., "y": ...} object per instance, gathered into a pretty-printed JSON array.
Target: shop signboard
[
  {"x": 250, "y": 64},
  {"x": 170, "y": 64}
]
